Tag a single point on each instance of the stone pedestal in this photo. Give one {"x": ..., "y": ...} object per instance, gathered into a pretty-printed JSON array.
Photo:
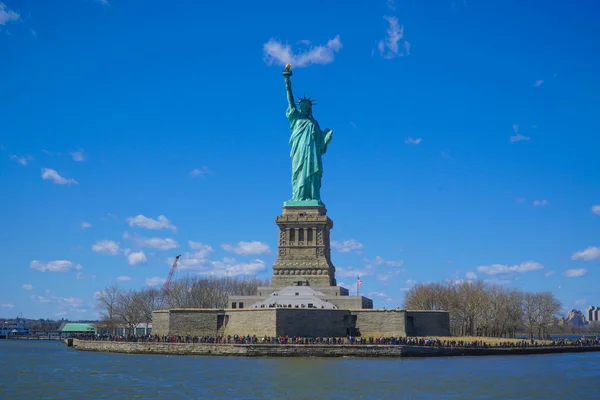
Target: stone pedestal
[{"x": 304, "y": 252}]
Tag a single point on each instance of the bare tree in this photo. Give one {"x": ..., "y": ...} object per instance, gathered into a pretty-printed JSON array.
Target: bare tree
[
  {"x": 594, "y": 327},
  {"x": 513, "y": 308},
  {"x": 129, "y": 309},
  {"x": 478, "y": 309},
  {"x": 209, "y": 292},
  {"x": 107, "y": 301},
  {"x": 548, "y": 307},
  {"x": 150, "y": 299}
]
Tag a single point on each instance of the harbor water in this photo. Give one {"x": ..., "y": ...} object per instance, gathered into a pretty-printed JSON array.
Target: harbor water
[{"x": 32, "y": 369}]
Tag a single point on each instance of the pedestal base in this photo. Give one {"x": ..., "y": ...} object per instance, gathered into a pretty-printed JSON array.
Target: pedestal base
[{"x": 304, "y": 253}]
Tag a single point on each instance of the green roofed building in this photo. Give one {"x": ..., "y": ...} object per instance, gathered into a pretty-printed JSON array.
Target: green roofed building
[{"x": 78, "y": 328}]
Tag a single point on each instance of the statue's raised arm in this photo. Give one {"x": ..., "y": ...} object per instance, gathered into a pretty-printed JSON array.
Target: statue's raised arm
[{"x": 288, "y": 87}]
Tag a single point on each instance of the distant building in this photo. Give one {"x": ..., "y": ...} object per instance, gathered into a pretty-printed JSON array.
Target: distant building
[
  {"x": 593, "y": 314},
  {"x": 73, "y": 328},
  {"x": 575, "y": 318}
]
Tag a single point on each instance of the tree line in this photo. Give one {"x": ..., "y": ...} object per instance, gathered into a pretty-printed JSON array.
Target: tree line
[
  {"x": 479, "y": 309},
  {"x": 128, "y": 307}
]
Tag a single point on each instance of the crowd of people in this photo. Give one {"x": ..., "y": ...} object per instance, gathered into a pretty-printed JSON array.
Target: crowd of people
[{"x": 349, "y": 340}]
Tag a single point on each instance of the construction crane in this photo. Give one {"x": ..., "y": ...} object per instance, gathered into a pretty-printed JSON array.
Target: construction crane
[{"x": 171, "y": 273}]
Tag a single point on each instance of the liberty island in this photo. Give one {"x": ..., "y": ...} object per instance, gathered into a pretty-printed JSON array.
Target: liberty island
[{"x": 303, "y": 299}]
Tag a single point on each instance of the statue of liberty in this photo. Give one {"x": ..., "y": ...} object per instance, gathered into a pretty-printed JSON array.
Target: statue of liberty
[{"x": 308, "y": 143}]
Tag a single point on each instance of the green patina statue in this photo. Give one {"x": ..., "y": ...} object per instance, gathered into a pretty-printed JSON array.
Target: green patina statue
[{"x": 308, "y": 143}]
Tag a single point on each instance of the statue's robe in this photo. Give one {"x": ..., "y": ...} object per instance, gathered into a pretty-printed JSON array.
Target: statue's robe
[{"x": 308, "y": 143}]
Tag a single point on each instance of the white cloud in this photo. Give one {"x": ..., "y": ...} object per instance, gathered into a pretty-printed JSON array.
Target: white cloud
[
  {"x": 471, "y": 275},
  {"x": 191, "y": 261},
  {"x": 27, "y": 286},
  {"x": 80, "y": 275},
  {"x": 55, "y": 266},
  {"x": 517, "y": 137},
  {"x": 580, "y": 302},
  {"x": 158, "y": 243},
  {"x": 383, "y": 277},
  {"x": 52, "y": 175},
  {"x": 200, "y": 247},
  {"x": 144, "y": 222},
  {"x": 40, "y": 299},
  {"x": 23, "y": 160},
  {"x": 378, "y": 294},
  {"x": 390, "y": 46},
  {"x": 504, "y": 269},
  {"x": 411, "y": 140},
  {"x": 199, "y": 171},
  {"x": 278, "y": 53},
  {"x": 196, "y": 260},
  {"x": 540, "y": 203},
  {"x": 550, "y": 273},
  {"x": 247, "y": 248},
  {"x": 589, "y": 254},
  {"x": 85, "y": 225},
  {"x": 123, "y": 278},
  {"x": 350, "y": 272},
  {"x": 378, "y": 261},
  {"x": 347, "y": 245},
  {"x": 6, "y": 305},
  {"x": 73, "y": 303},
  {"x": 109, "y": 247},
  {"x": 7, "y": 15},
  {"x": 155, "y": 281},
  {"x": 596, "y": 209},
  {"x": 78, "y": 155},
  {"x": 137, "y": 258},
  {"x": 539, "y": 82},
  {"x": 230, "y": 267},
  {"x": 391, "y": 4},
  {"x": 575, "y": 273}
]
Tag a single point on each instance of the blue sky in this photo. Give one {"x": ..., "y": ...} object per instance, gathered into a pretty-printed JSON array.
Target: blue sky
[{"x": 465, "y": 143}]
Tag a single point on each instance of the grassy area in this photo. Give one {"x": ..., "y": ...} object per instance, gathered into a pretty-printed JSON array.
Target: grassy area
[{"x": 489, "y": 340}]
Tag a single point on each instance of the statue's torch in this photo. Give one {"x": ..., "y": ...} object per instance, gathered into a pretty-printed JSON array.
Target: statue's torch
[{"x": 288, "y": 71}]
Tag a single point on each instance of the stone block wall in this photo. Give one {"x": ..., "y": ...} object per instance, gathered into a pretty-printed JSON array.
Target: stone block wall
[
  {"x": 257, "y": 321},
  {"x": 301, "y": 322},
  {"x": 380, "y": 323},
  {"x": 199, "y": 322},
  {"x": 313, "y": 322},
  {"x": 350, "y": 302},
  {"x": 160, "y": 322},
  {"x": 427, "y": 323},
  {"x": 246, "y": 301}
]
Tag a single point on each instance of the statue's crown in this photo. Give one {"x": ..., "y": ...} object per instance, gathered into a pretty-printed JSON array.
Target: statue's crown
[{"x": 308, "y": 99}]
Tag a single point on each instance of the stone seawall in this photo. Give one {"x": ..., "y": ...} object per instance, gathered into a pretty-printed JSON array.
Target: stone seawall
[
  {"x": 295, "y": 350},
  {"x": 244, "y": 350}
]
